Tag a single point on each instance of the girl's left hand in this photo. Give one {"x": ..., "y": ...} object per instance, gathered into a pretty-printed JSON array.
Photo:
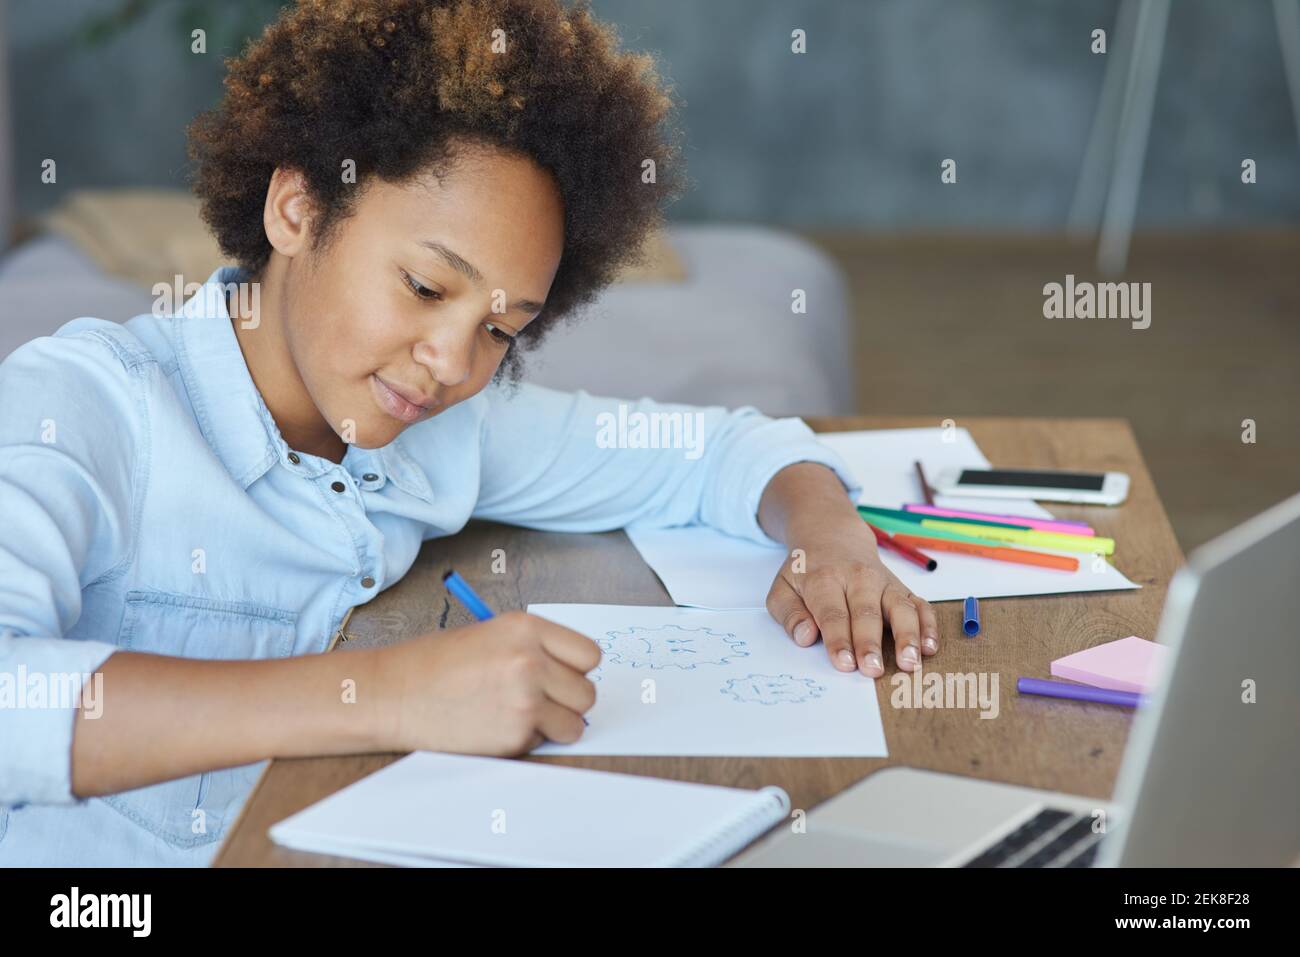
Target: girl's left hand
[{"x": 833, "y": 585}]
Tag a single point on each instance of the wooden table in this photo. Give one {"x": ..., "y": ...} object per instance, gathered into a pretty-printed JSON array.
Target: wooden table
[{"x": 1037, "y": 742}]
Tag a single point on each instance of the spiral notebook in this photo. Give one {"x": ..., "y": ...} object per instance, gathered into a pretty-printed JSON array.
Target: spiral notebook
[{"x": 444, "y": 810}]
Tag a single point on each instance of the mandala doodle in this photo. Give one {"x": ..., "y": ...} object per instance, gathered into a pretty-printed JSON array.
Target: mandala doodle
[
  {"x": 671, "y": 646},
  {"x": 773, "y": 689}
]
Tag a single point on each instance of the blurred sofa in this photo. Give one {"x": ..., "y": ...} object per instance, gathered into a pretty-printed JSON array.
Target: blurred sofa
[{"x": 706, "y": 319}]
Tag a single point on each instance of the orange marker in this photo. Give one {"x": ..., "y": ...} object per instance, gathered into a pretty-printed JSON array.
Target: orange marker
[{"x": 1018, "y": 555}]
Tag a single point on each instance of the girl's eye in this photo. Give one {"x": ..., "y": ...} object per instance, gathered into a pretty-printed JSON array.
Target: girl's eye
[
  {"x": 421, "y": 292},
  {"x": 500, "y": 335}
]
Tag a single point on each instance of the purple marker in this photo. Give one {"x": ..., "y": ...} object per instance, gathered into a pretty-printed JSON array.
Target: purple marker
[{"x": 1060, "y": 689}]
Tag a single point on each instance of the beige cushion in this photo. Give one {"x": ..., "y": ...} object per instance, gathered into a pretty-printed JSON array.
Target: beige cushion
[
  {"x": 153, "y": 235},
  {"x": 662, "y": 262},
  {"x": 144, "y": 235}
]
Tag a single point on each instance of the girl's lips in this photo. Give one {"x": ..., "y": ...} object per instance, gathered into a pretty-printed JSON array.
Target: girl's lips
[{"x": 394, "y": 404}]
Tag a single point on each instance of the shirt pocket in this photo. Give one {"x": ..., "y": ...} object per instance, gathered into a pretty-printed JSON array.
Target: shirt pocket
[
  {"x": 193, "y": 811},
  {"x": 190, "y": 626},
  {"x": 189, "y": 812}
]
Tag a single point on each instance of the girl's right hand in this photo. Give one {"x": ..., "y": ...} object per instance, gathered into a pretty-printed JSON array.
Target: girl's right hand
[{"x": 500, "y": 687}]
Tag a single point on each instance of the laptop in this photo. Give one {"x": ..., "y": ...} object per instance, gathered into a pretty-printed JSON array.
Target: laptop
[{"x": 1210, "y": 776}]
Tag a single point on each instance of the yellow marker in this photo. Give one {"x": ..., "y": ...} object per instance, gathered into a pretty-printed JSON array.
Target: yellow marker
[{"x": 1091, "y": 544}]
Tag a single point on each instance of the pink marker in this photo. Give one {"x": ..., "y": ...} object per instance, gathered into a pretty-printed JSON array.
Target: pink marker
[{"x": 1058, "y": 525}]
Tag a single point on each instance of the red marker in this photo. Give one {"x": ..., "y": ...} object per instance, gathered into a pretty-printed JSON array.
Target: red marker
[
  {"x": 925, "y": 486},
  {"x": 907, "y": 551}
]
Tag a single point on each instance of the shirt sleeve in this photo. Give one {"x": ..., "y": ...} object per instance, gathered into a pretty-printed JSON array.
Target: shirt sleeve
[
  {"x": 575, "y": 462},
  {"x": 69, "y": 413}
]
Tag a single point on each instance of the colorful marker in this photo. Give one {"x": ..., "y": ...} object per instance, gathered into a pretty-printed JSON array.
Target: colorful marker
[
  {"x": 1020, "y": 556},
  {"x": 1071, "y": 543},
  {"x": 903, "y": 515},
  {"x": 467, "y": 596},
  {"x": 925, "y": 486},
  {"x": 906, "y": 550},
  {"x": 970, "y": 619},
  {"x": 1064, "y": 525},
  {"x": 1060, "y": 689}
]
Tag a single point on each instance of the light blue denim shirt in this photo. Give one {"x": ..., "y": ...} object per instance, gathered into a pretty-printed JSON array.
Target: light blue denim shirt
[{"x": 149, "y": 503}]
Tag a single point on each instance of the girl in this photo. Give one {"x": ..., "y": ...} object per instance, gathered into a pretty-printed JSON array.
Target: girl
[{"x": 412, "y": 192}]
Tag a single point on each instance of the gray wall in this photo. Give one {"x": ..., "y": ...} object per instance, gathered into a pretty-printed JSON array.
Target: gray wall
[
  {"x": 850, "y": 134},
  {"x": 6, "y": 140}
]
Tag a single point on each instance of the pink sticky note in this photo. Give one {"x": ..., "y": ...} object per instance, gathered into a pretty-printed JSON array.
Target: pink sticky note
[{"x": 1129, "y": 664}]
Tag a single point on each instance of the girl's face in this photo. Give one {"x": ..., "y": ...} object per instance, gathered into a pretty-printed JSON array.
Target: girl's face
[{"x": 410, "y": 306}]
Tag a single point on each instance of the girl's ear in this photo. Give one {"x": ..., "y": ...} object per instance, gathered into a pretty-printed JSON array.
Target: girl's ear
[{"x": 286, "y": 215}]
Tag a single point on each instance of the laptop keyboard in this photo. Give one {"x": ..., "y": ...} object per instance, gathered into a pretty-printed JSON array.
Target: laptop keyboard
[{"x": 1051, "y": 838}]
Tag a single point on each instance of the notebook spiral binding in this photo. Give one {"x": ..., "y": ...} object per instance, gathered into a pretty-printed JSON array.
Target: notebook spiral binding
[{"x": 727, "y": 840}]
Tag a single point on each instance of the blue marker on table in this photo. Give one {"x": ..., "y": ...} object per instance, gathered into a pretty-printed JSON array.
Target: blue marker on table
[
  {"x": 466, "y": 596},
  {"x": 970, "y": 619}
]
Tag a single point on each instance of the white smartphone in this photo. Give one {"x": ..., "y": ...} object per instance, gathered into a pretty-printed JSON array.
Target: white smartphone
[{"x": 1084, "y": 488}]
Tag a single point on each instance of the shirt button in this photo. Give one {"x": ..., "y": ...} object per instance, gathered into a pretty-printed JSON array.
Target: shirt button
[
  {"x": 370, "y": 477},
  {"x": 367, "y": 582},
  {"x": 293, "y": 457},
  {"x": 338, "y": 487}
]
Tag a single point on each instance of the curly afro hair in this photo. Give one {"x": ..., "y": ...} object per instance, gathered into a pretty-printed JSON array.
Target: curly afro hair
[{"x": 394, "y": 85}]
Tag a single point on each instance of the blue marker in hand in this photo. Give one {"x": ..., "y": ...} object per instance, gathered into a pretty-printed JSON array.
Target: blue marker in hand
[
  {"x": 469, "y": 598},
  {"x": 466, "y": 596}
]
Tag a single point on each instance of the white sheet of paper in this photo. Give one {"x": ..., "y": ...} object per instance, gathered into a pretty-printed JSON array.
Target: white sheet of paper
[
  {"x": 724, "y": 683},
  {"x": 704, "y": 568}
]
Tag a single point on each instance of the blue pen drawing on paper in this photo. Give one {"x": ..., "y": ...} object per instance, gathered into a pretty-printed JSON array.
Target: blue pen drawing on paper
[
  {"x": 773, "y": 689},
  {"x": 671, "y": 646}
]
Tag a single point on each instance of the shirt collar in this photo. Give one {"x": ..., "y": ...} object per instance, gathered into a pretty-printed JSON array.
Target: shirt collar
[{"x": 231, "y": 413}]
